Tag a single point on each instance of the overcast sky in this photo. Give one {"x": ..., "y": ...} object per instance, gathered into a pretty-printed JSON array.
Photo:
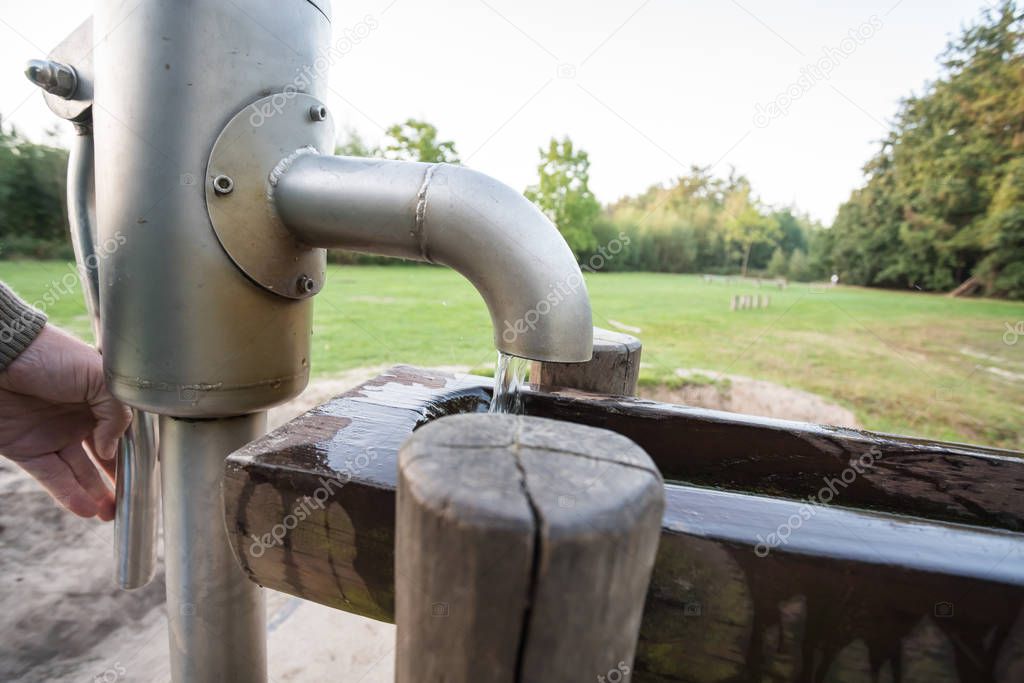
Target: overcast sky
[{"x": 648, "y": 88}]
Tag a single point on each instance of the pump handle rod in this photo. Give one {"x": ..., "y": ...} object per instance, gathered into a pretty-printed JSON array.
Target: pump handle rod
[{"x": 137, "y": 485}]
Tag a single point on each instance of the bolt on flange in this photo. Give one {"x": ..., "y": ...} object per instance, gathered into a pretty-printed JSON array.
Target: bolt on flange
[
  {"x": 317, "y": 112},
  {"x": 53, "y": 77},
  {"x": 306, "y": 284},
  {"x": 223, "y": 184}
]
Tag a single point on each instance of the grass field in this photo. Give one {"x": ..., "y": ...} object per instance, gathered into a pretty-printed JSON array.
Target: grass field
[{"x": 908, "y": 363}]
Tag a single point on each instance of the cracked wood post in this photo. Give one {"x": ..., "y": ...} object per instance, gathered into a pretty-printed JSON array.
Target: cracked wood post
[
  {"x": 524, "y": 548},
  {"x": 613, "y": 369}
]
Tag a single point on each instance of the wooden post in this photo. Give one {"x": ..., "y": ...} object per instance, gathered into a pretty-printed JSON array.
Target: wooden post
[
  {"x": 524, "y": 547},
  {"x": 613, "y": 369}
]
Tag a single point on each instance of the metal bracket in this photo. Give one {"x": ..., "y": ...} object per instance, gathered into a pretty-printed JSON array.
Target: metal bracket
[
  {"x": 238, "y": 186},
  {"x": 74, "y": 55}
]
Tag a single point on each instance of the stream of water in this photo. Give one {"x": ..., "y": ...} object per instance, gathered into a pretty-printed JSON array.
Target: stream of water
[{"x": 508, "y": 379}]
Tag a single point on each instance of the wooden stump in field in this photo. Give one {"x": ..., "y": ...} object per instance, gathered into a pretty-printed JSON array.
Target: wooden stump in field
[
  {"x": 613, "y": 369},
  {"x": 524, "y": 548}
]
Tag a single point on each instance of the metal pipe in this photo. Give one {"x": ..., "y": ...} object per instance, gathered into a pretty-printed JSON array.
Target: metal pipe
[
  {"x": 216, "y": 615},
  {"x": 137, "y": 483},
  {"x": 136, "y": 503},
  {"x": 81, "y": 218},
  {"x": 453, "y": 216}
]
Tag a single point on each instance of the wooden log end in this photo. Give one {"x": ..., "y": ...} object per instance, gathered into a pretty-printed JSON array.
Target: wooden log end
[
  {"x": 613, "y": 369},
  {"x": 524, "y": 549}
]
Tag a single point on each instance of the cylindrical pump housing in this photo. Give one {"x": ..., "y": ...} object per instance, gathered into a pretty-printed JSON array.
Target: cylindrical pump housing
[{"x": 186, "y": 333}]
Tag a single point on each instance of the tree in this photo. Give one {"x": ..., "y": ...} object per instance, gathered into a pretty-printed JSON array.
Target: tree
[
  {"x": 794, "y": 231},
  {"x": 33, "y": 213},
  {"x": 563, "y": 193},
  {"x": 942, "y": 198},
  {"x": 798, "y": 268},
  {"x": 778, "y": 266},
  {"x": 353, "y": 145},
  {"x": 416, "y": 140},
  {"x": 745, "y": 225},
  {"x": 412, "y": 140}
]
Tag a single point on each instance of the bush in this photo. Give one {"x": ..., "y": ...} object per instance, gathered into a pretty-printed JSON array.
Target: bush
[{"x": 27, "y": 247}]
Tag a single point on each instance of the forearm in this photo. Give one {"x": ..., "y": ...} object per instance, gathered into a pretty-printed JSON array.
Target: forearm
[{"x": 20, "y": 324}]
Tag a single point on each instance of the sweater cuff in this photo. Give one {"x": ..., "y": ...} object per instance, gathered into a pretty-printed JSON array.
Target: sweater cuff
[{"x": 20, "y": 324}]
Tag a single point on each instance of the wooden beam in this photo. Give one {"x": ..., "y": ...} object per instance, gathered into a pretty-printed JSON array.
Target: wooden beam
[{"x": 919, "y": 575}]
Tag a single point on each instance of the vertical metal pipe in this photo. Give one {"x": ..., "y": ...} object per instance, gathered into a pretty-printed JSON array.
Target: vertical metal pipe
[
  {"x": 137, "y": 486},
  {"x": 81, "y": 219},
  {"x": 216, "y": 616},
  {"x": 137, "y": 503}
]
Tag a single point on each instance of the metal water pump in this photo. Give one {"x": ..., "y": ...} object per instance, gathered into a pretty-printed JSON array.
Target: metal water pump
[{"x": 202, "y": 193}]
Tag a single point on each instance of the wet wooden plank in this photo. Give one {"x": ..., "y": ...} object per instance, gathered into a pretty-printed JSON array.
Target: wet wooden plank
[
  {"x": 851, "y": 596},
  {"x": 850, "y": 593},
  {"x": 905, "y": 476}
]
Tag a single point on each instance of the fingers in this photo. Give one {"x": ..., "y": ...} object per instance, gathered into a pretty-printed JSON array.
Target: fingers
[
  {"x": 61, "y": 369},
  {"x": 89, "y": 479},
  {"x": 108, "y": 466},
  {"x": 112, "y": 419},
  {"x": 57, "y": 477}
]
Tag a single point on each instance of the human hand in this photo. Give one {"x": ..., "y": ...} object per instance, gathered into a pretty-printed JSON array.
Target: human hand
[{"x": 54, "y": 410}]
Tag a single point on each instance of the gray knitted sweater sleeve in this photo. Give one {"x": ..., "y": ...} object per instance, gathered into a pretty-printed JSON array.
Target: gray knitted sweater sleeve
[{"x": 20, "y": 324}]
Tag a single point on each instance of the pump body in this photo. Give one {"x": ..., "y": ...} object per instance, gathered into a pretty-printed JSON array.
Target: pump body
[{"x": 186, "y": 332}]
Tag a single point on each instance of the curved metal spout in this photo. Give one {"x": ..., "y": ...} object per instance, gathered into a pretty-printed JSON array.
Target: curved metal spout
[{"x": 453, "y": 216}]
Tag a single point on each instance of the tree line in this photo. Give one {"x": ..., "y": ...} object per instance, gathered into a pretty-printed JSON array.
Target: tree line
[
  {"x": 942, "y": 203},
  {"x": 944, "y": 197},
  {"x": 33, "y": 211}
]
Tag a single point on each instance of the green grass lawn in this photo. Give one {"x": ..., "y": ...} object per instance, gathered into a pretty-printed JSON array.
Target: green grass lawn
[{"x": 908, "y": 363}]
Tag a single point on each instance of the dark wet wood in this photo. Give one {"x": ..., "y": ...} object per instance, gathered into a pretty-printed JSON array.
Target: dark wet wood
[
  {"x": 918, "y": 576},
  {"x": 613, "y": 370},
  {"x": 524, "y": 549},
  {"x": 942, "y": 481}
]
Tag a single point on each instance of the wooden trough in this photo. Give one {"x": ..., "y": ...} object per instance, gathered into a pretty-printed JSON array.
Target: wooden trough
[{"x": 788, "y": 551}]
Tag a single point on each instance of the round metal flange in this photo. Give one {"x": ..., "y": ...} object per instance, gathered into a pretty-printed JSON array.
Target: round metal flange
[{"x": 238, "y": 189}]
